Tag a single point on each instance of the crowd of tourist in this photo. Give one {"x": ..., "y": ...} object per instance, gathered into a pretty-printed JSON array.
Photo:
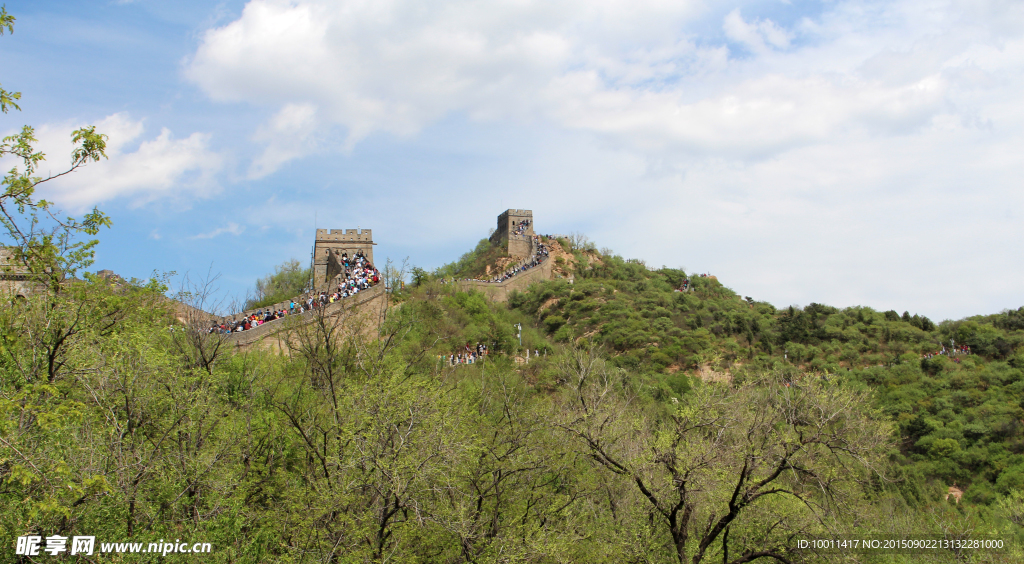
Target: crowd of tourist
[
  {"x": 541, "y": 253},
  {"x": 470, "y": 355},
  {"x": 358, "y": 275},
  {"x": 521, "y": 228},
  {"x": 953, "y": 351},
  {"x": 473, "y": 355},
  {"x": 253, "y": 320},
  {"x": 538, "y": 257}
]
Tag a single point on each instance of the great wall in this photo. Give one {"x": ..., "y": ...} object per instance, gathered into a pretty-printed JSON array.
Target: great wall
[{"x": 515, "y": 232}]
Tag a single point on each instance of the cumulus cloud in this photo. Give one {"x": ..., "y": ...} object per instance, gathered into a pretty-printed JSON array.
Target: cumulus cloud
[
  {"x": 636, "y": 71},
  {"x": 136, "y": 168},
  {"x": 396, "y": 66},
  {"x": 289, "y": 134},
  {"x": 756, "y": 35}
]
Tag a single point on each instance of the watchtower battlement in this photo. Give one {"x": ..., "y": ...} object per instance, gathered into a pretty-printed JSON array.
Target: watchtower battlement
[
  {"x": 331, "y": 244},
  {"x": 344, "y": 235},
  {"x": 515, "y": 228}
]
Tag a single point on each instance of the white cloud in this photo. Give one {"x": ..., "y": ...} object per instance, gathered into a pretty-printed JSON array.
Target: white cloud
[
  {"x": 157, "y": 167},
  {"x": 756, "y": 35},
  {"x": 396, "y": 66},
  {"x": 231, "y": 228},
  {"x": 624, "y": 69},
  {"x": 291, "y": 133}
]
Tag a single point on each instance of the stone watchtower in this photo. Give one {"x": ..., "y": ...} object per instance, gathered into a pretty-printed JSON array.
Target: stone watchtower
[
  {"x": 330, "y": 244},
  {"x": 516, "y": 228}
]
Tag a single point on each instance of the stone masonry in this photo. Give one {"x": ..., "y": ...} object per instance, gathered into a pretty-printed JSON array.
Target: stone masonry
[
  {"x": 330, "y": 244},
  {"x": 500, "y": 291},
  {"x": 15, "y": 281},
  {"x": 508, "y": 223},
  {"x": 368, "y": 302}
]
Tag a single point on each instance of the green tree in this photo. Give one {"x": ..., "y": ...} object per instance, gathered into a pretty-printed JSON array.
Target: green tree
[
  {"x": 379, "y": 439},
  {"x": 60, "y": 355},
  {"x": 731, "y": 474},
  {"x": 288, "y": 280},
  {"x": 512, "y": 498},
  {"x": 419, "y": 276},
  {"x": 40, "y": 241},
  {"x": 7, "y": 99}
]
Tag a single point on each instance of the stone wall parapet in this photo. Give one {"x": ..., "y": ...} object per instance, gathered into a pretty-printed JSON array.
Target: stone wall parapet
[
  {"x": 285, "y": 305},
  {"x": 344, "y": 235},
  {"x": 499, "y": 291},
  {"x": 243, "y": 338}
]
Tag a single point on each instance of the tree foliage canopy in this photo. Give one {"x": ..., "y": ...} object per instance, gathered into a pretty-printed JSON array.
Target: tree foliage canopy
[
  {"x": 288, "y": 280},
  {"x": 40, "y": 241}
]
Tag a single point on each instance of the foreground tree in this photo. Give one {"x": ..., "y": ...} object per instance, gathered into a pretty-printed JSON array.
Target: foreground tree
[
  {"x": 733, "y": 474},
  {"x": 61, "y": 354},
  {"x": 378, "y": 440},
  {"x": 39, "y": 240},
  {"x": 514, "y": 497}
]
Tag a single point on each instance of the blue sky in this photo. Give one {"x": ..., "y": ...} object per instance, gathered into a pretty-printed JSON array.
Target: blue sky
[{"x": 841, "y": 152}]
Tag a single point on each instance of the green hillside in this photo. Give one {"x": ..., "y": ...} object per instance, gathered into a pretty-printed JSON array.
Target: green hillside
[{"x": 959, "y": 415}]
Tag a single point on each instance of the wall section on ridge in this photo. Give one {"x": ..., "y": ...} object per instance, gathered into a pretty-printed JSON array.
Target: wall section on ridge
[
  {"x": 359, "y": 305},
  {"x": 499, "y": 291}
]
